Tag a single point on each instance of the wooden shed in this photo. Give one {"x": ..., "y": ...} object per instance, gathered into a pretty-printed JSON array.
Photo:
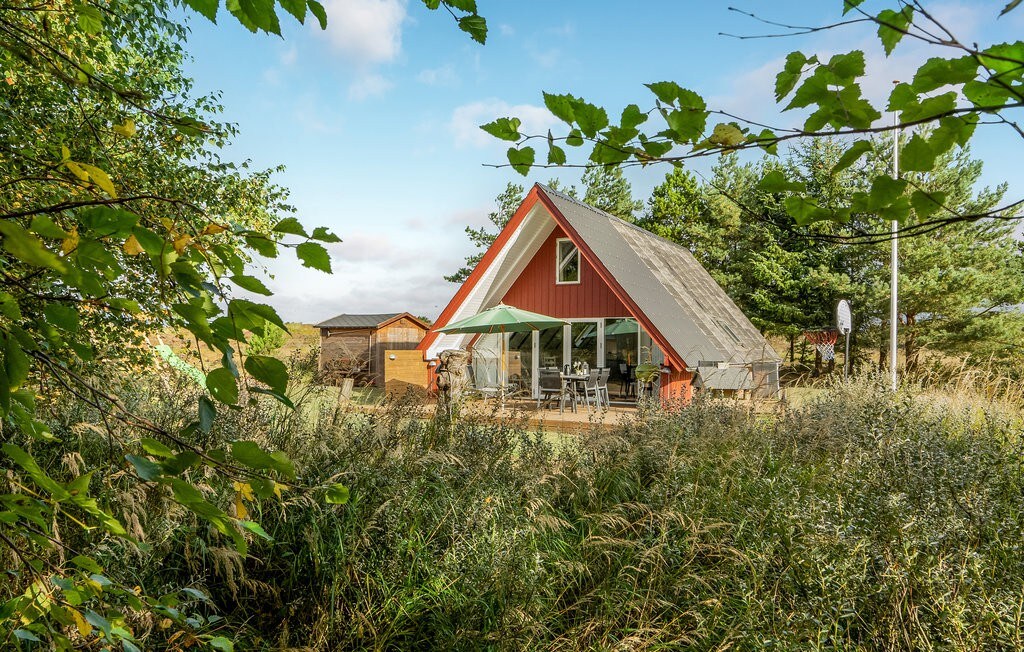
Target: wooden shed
[{"x": 353, "y": 346}]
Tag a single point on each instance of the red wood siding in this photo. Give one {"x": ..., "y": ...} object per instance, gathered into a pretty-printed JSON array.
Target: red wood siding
[
  {"x": 676, "y": 388},
  {"x": 537, "y": 291}
]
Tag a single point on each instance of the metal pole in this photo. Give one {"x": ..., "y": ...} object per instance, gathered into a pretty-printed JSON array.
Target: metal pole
[
  {"x": 894, "y": 314},
  {"x": 846, "y": 358}
]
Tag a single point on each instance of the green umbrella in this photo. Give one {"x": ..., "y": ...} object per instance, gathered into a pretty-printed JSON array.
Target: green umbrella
[{"x": 502, "y": 319}]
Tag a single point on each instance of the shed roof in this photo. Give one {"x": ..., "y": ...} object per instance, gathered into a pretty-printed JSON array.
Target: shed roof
[
  {"x": 367, "y": 321},
  {"x": 731, "y": 378},
  {"x": 669, "y": 285}
]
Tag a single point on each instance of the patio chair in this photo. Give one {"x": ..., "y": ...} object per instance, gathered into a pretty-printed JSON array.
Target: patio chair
[
  {"x": 484, "y": 392},
  {"x": 552, "y": 385},
  {"x": 602, "y": 385},
  {"x": 627, "y": 381},
  {"x": 591, "y": 389}
]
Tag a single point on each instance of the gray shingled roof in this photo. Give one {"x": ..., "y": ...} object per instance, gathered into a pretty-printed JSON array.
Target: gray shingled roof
[
  {"x": 731, "y": 378},
  {"x": 357, "y": 321},
  {"x": 669, "y": 285}
]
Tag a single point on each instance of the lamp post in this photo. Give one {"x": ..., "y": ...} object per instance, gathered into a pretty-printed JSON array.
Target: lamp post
[{"x": 894, "y": 264}]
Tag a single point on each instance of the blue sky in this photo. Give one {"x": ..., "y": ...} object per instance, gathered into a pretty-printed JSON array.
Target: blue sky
[{"x": 376, "y": 118}]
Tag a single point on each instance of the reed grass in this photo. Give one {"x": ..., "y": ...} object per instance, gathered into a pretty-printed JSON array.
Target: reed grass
[{"x": 860, "y": 520}]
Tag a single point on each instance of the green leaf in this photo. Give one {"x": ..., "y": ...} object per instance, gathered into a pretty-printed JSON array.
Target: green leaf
[
  {"x": 556, "y": 155},
  {"x": 318, "y": 10},
  {"x": 251, "y": 284},
  {"x": 256, "y": 529},
  {"x": 28, "y": 248},
  {"x": 296, "y": 8},
  {"x": 574, "y": 138},
  {"x": 253, "y": 316},
  {"x": 561, "y": 107},
  {"x": 504, "y": 128},
  {"x": 852, "y": 155},
  {"x": 269, "y": 371},
  {"x": 313, "y": 254},
  {"x": 805, "y": 210},
  {"x": 61, "y": 316},
  {"x": 590, "y": 118},
  {"x": 687, "y": 125},
  {"x": 44, "y": 226},
  {"x": 727, "y": 135},
  {"x": 145, "y": 468},
  {"x": 290, "y": 225},
  {"x": 90, "y": 19},
  {"x": 851, "y": 4},
  {"x": 666, "y": 91},
  {"x": 16, "y": 363},
  {"x": 938, "y": 72},
  {"x": 29, "y": 464},
  {"x": 207, "y": 8},
  {"x": 25, "y": 635},
  {"x": 9, "y": 306},
  {"x": 155, "y": 448},
  {"x": 475, "y": 26},
  {"x": 632, "y": 117},
  {"x": 787, "y": 79},
  {"x": 251, "y": 455},
  {"x": 521, "y": 159},
  {"x": 337, "y": 494},
  {"x": 776, "y": 181},
  {"x": 323, "y": 235},
  {"x": 262, "y": 245},
  {"x": 927, "y": 204},
  {"x": 917, "y": 155},
  {"x": 222, "y": 385},
  {"x": 892, "y": 25},
  {"x": 262, "y": 14},
  {"x": 207, "y": 414},
  {"x": 1009, "y": 7}
]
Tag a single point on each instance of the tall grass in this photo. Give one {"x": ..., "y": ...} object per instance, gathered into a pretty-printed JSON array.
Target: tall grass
[{"x": 860, "y": 521}]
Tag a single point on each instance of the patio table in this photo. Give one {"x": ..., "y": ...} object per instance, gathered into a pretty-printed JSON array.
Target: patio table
[{"x": 577, "y": 382}]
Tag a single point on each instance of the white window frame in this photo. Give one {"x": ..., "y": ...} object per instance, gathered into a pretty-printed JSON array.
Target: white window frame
[{"x": 559, "y": 265}]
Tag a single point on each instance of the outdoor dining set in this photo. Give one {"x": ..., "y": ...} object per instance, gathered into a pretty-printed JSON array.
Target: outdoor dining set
[{"x": 590, "y": 388}]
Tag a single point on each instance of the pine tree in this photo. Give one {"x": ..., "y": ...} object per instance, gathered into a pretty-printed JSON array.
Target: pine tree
[{"x": 610, "y": 191}]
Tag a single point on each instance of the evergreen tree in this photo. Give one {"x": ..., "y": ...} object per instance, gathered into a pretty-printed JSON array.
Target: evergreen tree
[{"x": 610, "y": 191}]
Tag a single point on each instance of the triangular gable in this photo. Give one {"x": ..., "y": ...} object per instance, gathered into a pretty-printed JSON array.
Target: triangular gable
[
  {"x": 691, "y": 311},
  {"x": 503, "y": 262},
  {"x": 535, "y": 289}
]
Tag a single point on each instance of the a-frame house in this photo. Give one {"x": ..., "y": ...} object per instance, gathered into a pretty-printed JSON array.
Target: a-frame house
[{"x": 630, "y": 296}]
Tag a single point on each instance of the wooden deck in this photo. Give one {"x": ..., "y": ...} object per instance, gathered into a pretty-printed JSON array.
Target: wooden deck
[
  {"x": 551, "y": 419},
  {"x": 526, "y": 412}
]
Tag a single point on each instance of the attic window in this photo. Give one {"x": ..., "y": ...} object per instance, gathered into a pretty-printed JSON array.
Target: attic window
[{"x": 567, "y": 262}]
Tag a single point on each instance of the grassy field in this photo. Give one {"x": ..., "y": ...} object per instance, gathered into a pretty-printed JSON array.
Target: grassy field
[{"x": 854, "y": 520}]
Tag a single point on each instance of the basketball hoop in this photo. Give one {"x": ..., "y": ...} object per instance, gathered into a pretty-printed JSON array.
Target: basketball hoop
[{"x": 825, "y": 342}]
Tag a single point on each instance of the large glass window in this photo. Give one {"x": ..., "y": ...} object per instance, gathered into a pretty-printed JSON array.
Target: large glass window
[
  {"x": 621, "y": 352},
  {"x": 584, "y": 343},
  {"x": 520, "y": 360},
  {"x": 568, "y": 262},
  {"x": 551, "y": 348}
]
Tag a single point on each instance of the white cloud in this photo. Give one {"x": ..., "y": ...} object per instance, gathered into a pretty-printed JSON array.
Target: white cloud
[
  {"x": 367, "y": 86},
  {"x": 546, "y": 57},
  {"x": 506, "y": 30},
  {"x": 441, "y": 76},
  {"x": 466, "y": 120},
  {"x": 366, "y": 31},
  {"x": 289, "y": 56}
]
